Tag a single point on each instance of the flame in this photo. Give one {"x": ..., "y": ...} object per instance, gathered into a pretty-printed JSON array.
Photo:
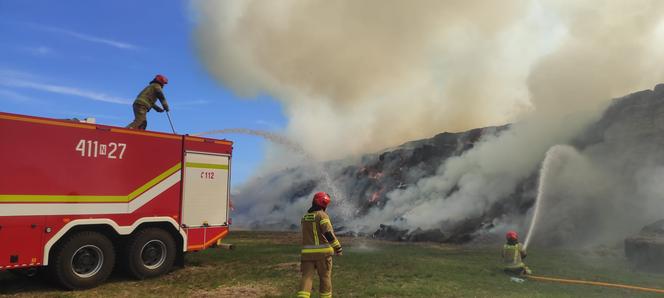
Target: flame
[
  {"x": 371, "y": 173},
  {"x": 375, "y": 175},
  {"x": 376, "y": 196}
]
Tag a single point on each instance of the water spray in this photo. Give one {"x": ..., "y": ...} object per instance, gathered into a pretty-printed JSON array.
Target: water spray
[
  {"x": 295, "y": 147},
  {"x": 552, "y": 159},
  {"x": 273, "y": 137}
]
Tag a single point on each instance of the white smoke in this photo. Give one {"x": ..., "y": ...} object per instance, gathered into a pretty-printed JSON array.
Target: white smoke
[
  {"x": 603, "y": 55},
  {"x": 604, "y": 192},
  {"x": 355, "y": 77},
  {"x": 378, "y": 72}
]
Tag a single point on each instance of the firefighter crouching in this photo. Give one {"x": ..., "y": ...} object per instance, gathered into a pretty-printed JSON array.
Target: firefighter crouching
[
  {"x": 146, "y": 100},
  {"x": 318, "y": 246},
  {"x": 513, "y": 255}
]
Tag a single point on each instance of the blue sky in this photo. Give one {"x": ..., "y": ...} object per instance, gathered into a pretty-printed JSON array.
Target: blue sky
[{"x": 81, "y": 58}]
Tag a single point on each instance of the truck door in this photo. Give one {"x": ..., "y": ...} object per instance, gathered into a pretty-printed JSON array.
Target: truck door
[{"x": 205, "y": 192}]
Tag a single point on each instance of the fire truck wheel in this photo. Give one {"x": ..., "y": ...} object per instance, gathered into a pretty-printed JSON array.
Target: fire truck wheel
[
  {"x": 151, "y": 252},
  {"x": 83, "y": 260}
]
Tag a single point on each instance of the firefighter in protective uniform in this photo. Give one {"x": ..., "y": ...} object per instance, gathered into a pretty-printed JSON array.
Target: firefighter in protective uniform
[
  {"x": 146, "y": 100},
  {"x": 318, "y": 245},
  {"x": 513, "y": 255}
]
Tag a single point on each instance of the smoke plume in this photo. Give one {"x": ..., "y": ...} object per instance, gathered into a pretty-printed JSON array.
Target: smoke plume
[
  {"x": 604, "y": 53},
  {"x": 355, "y": 77},
  {"x": 376, "y": 72}
]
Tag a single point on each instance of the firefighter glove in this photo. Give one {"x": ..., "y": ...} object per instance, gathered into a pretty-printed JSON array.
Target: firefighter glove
[{"x": 158, "y": 109}]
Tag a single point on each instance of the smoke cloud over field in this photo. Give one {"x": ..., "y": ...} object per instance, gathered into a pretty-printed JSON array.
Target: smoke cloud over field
[
  {"x": 355, "y": 77},
  {"x": 606, "y": 51},
  {"x": 376, "y": 72}
]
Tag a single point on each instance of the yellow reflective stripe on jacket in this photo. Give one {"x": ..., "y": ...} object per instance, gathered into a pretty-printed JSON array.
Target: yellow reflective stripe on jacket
[
  {"x": 516, "y": 253},
  {"x": 336, "y": 243},
  {"x": 317, "y": 250},
  {"x": 507, "y": 248},
  {"x": 325, "y": 221},
  {"x": 303, "y": 294},
  {"x": 316, "y": 241},
  {"x": 514, "y": 262}
]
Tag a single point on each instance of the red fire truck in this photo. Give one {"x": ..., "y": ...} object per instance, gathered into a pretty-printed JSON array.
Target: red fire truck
[{"x": 80, "y": 198}]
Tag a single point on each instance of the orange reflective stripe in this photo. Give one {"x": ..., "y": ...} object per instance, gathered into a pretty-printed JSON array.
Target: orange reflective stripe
[{"x": 49, "y": 122}]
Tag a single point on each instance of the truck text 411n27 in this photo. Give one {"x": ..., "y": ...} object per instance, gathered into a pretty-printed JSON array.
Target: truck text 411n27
[{"x": 80, "y": 198}]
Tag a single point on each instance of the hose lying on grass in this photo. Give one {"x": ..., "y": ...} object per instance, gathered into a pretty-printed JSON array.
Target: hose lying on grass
[{"x": 595, "y": 283}]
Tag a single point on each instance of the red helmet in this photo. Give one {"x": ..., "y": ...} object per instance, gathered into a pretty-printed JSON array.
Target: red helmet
[
  {"x": 161, "y": 79},
  {"x": 321, "y": 199},
  {"x": 512, "y": 235}
]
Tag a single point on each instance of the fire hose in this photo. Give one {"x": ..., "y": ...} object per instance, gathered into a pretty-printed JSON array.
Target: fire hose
[
  {"x": 595, "y": 283},
  {"x": 168, "y": 114}
]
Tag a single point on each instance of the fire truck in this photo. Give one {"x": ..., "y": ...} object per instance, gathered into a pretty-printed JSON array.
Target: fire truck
[{"x": 81, "y": 198}]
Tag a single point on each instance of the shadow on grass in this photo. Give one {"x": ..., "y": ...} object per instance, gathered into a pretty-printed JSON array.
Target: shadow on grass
[
  {"x": 42, "y": 284},
  {"x": 12, "y": 283}
]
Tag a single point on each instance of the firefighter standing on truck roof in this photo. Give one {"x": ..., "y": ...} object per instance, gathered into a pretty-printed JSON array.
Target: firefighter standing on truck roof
[
  {"x": 318, "y": 246},
  {"x": 513, "y": 255},
  {"x": 146, "y": 100}
]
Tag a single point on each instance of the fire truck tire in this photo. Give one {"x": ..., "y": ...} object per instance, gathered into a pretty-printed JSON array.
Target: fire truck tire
[
  {"x": 151, "y": 252},
  {"x": 83, "y": 260}
]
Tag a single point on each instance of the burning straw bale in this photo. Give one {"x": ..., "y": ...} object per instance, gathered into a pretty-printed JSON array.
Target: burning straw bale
[
  {"x": 436, "y": 190},
  {"x": 646, "y": 250}
]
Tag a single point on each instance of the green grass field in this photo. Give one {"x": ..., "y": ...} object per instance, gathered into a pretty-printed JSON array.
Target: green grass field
[{"x": 266, "y": 265}]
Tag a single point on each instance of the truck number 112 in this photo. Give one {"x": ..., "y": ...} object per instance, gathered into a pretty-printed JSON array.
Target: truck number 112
[{"x": 207, "y": 175}]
